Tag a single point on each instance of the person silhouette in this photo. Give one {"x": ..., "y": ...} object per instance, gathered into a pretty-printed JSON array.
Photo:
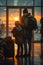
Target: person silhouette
[
  {"x": 41, "y": 21},
  {"x": 28, "y": 23},
  {"x": 41, "y": 31},
  {"x": 18, "y": 34}
]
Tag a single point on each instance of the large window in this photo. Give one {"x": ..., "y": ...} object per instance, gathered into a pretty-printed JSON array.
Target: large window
[
  {"x": 42, "y": 3},
  {"x": 8, "y": 16},
  {"x": 42, "y": 11},
  {"x": 37, "y": 13},
  {"x": 13, "y": 17},
  {"x": 2, "y": 22},
  {"x": 20, "y": 3},
  {"x": 2, "y": 2},
  {"x": 37, "y": 2}
]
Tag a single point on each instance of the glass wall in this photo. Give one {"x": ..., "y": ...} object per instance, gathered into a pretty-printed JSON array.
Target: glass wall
[
  {"x": 20, "y": 3},
  {"x": 42, "y": 11},
  {"x": 37, "y": 2},
  {"x": 42, "y": 3},
  {"x": 2, "y": 2},
  {"x": 13, "y": 17},
  {"x": 2, "y": 22},
  {"x": 37, "y": 15}
]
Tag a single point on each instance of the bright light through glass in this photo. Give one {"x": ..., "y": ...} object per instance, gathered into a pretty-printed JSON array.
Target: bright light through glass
[{"x": 16, "y": 18}]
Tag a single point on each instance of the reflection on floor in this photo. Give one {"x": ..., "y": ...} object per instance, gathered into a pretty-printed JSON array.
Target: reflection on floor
[
  {"x": 23, "y": 61},
  {"x": 37, "y": 59}
]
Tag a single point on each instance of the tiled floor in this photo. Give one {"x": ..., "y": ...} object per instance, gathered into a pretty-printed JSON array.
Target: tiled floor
[
  {"x": 24, "y": 61},
  {"x": 36, "y": 60}
]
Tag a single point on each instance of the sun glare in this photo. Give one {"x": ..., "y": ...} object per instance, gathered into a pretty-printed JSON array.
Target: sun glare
[{"x": 16, "y": 18}]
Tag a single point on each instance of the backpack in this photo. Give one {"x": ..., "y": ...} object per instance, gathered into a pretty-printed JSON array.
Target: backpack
[
  {"x": 29, "y": 23},
  {"x": 32, "y": 23}
]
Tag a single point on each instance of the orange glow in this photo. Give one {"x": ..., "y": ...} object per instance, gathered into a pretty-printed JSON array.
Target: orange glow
[
  {"x": 15, "y": 49},
  {"x": 13, "y": 18},
  {"x": 16, "y": 18},
  {"x": 37, "y": 49},
  {"x": 13, "y": 38},
  {"x": 38, "y": 17},
  {"x": 3, "y": 18}
]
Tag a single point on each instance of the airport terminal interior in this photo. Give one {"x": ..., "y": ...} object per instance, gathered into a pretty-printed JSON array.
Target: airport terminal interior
[{"x": 10, "y": 12}]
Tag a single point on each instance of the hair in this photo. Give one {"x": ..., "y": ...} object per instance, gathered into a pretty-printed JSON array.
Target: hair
[
  {"x": 17, "y": 23},
  {"x": 25, "y": 10}
]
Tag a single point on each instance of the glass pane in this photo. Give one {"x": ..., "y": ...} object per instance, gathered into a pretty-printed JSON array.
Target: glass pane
[
  {"x": 2, "y": 22},
  {"x": 2, "y": 2},
  {"x": 42, "y": 11},
  {"x": 13, "y": 16},
  {"x": 37, "y": 2},
  {"x": 37, "y": 15},
  {"x": 42, "y": 2},
  {"x": 20, "y": 3}
]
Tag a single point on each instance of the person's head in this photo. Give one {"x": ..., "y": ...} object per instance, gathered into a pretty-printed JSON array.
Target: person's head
[
  {"x": 16, "y": 23},
  {"x": 25, "y": 11}
]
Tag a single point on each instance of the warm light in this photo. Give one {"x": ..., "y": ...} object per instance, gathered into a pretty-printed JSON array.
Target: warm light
[
  {"x": 38, "y": 18},
  {"x": 15, "y": 49},
  {"x": 13, "y": 38},
  {"x": 16, "y": 18}
]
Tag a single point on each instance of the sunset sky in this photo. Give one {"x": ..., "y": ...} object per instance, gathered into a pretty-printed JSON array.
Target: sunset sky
[{"x": 15, "y": 13}]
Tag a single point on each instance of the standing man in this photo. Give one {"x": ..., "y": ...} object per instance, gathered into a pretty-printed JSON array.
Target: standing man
[{"x": 28, "y": 24}]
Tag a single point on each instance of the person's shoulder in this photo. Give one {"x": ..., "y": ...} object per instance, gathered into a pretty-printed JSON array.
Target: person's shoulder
[
  {"x": 13, "y": 29},
  {"x": 33, "y": 18}
]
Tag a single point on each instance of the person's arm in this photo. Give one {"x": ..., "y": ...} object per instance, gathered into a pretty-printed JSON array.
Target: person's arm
[{"x": 13, "y": 32}]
